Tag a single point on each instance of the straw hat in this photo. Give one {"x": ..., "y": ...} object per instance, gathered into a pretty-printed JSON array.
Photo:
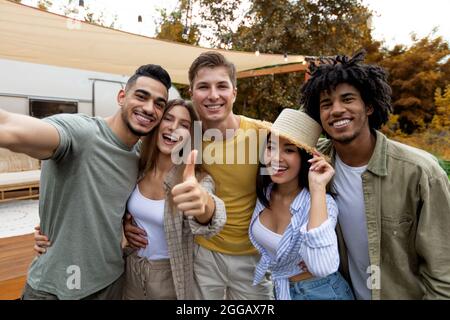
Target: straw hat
[{"x": 295, "y": 126}]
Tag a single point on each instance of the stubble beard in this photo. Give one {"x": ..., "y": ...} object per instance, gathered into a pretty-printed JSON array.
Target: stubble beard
[
  {"x": 137, "y": 133},
  {"x": 350, "y": 138},
  {"x": 345, "y": 140}
]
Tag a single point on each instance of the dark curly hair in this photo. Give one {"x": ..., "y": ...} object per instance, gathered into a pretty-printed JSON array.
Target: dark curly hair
[{"x": 369, "y": 80}]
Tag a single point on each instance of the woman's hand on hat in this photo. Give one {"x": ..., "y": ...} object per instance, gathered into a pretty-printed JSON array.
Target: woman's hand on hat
[{"x": 320, "y": 172}]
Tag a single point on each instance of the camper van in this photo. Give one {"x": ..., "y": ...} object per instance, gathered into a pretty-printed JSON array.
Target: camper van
[{"x": 41, "y": 90}]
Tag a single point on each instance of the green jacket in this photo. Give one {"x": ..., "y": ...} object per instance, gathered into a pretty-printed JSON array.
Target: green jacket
[{"x": 407, "y": 205}]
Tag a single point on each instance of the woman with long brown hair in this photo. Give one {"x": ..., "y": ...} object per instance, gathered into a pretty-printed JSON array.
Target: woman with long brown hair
[{"x": 162, "y": 268}]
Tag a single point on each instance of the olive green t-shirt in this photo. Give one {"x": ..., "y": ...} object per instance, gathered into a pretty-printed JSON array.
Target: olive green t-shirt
[{"x": 83, "y": 195}]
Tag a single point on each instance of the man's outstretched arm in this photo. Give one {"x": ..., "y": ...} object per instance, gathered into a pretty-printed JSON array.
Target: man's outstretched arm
[{"x": 24, "y": 134}]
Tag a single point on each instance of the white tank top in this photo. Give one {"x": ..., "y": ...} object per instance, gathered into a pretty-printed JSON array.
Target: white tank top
[
  {"x": 149, "y": 215},
  {"x": 268, "y": 239}
]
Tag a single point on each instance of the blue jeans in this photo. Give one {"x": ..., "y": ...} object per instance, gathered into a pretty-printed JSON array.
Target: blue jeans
[{"x": 332, "y": 287}]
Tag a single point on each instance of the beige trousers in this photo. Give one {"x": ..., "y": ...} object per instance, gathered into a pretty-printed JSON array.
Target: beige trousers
[
  {"x": 148, "y": 279},
  {"x": 221, "y": 276}
]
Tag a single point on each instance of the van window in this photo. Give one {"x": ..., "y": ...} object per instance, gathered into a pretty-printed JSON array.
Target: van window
[{"x": 44, "y": 108}]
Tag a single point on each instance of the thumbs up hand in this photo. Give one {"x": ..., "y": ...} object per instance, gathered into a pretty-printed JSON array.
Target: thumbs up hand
[
  {"x": 189, "y": 170},
  {"x": 190, "y": 197}
]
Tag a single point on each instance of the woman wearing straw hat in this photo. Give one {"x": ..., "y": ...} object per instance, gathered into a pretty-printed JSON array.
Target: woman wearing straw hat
[{"x": 294, "y": 219}]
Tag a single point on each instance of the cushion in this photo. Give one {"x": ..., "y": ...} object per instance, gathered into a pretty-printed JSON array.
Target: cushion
[
  {"x": 23, "y": 177},
  {"x": 16, "y": 162}
]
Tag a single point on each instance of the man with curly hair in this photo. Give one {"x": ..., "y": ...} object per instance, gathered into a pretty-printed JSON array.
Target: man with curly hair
[{"x": 394, "y": 200}]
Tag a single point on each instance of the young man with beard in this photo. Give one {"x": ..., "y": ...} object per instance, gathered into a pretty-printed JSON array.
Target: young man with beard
[
  {"x": 90, "y": 170},
  {"x": 393, "y": 200}
]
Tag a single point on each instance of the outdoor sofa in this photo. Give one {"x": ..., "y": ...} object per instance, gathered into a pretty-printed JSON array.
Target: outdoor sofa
[{"x": 19, "y": 176}]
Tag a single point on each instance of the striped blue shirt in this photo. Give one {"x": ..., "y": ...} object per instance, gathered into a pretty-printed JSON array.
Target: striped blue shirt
[{"x": 316, "y": 247}]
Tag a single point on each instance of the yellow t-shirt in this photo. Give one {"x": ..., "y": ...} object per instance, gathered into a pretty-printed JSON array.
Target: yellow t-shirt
[{"x": 233, "y": 164}]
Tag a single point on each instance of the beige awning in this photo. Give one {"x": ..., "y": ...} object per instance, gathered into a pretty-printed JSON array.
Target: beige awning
[{"x": 31, "y": 35}]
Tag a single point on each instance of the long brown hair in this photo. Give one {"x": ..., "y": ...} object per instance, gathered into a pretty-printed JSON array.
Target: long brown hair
[{"x": 150, "y": 151}]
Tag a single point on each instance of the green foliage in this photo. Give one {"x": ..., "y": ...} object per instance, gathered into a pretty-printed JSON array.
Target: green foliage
[{"x": 445, "y": 165}]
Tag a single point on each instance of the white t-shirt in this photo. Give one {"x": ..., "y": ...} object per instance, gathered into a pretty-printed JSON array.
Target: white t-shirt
[
  {"x": 149, "y": 215},
  {"x": 352, "y": 219}
]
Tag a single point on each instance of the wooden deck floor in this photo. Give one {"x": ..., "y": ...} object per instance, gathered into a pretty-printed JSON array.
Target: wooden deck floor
[{"x": 16, "y": 254}]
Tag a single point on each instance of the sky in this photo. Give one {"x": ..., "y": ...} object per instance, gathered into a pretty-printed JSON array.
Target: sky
[{"x": 393, "y": 21}]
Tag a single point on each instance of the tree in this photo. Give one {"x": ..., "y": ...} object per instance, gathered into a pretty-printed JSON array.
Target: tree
[
  {"x": 173, "y": 26},
  {"x": 441, "y": 119},
  {"x": 436, "y": 139},
  {"x": 304, "y": 27},
  {"x": 72, "y": 9},
  {"x": 218, "y": 20},
  {"x": 414, "y": 75},
  {"x": 208, "y": 21},
  {"x": 428, "y": 73},
  {"x": 177, "y": 26},
  {"x": 323, "y": 28},
  {"x": 307, "y": 27}
]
